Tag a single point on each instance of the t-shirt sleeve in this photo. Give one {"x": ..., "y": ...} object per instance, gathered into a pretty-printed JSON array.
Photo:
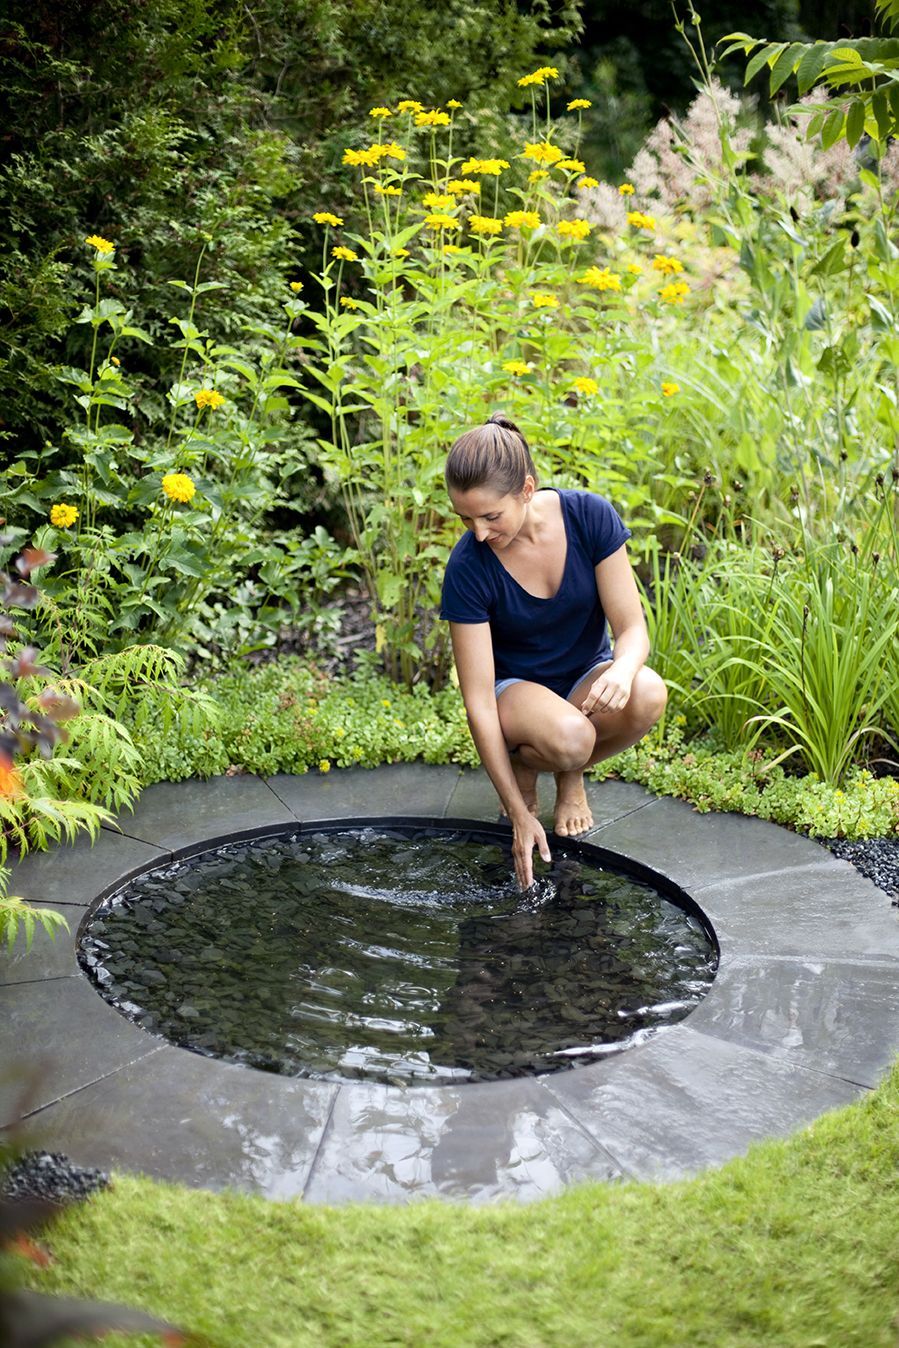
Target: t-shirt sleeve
[
  {"x": 465, "y": 597},
  {"x": 604, "y": 529}
]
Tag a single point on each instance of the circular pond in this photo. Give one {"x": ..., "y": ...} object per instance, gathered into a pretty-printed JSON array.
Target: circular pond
[{"x": 399, "y": 953}]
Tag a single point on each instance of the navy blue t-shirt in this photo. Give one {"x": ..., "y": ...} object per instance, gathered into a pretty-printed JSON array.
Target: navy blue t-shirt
[{"x": 548, "y": 641}]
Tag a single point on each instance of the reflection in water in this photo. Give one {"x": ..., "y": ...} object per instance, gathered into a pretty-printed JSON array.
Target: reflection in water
[{"x": 395, "y": 956}]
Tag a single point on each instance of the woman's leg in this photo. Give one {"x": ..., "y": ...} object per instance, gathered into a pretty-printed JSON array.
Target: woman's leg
[
  {"x": 546, "y": 733},
  {"x": 618, "y": 730}
]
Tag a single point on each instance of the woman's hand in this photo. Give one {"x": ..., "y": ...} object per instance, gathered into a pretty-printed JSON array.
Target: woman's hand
[
  {"x": 527, "y": 833},
  {"x": 610, "y": 692}
]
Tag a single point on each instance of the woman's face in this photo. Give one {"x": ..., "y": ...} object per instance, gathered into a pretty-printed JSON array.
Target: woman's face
[{"x": 493, "y": 518}]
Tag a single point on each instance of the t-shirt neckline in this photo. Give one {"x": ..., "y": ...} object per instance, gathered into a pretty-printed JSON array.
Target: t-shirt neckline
[{"x": 538, "y": 598}]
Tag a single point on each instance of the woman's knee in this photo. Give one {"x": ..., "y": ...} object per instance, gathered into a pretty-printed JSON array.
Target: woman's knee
[
  {"x": 649, "y": 697},
  {"x": 571, "y": 742}
]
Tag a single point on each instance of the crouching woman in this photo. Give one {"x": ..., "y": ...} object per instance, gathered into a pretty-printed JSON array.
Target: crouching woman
[{"x": 530, "y": 592}]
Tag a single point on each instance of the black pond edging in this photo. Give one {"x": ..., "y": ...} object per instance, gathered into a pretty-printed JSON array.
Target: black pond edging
[{"x": 802, "y": 1017}]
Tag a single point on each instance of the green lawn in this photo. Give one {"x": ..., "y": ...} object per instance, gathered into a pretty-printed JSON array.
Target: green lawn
[{"x": 795, "y": 1244}]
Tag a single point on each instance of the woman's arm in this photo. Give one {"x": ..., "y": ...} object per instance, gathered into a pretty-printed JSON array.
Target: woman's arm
[
  {"x": 473, "y": 654},
  {"x": 621, "y": 604}
]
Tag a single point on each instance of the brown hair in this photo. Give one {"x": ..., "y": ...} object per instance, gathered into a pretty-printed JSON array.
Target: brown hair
[{"x": 494, "y": 455}]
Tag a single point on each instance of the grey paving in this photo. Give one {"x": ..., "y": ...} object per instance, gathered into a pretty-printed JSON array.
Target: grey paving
[
  {"x": 61, "y": 1027},
  {"x": 76, "y": 875},
  {"x": 399, "y": 788},
  {"x": 802, "y": 1018},
  {"x": 477, "y": 1142},
  {"x": 685, "y": 1101},
  {"x": 178, "y": 1116},
  {"x": 222, "y": 806}
]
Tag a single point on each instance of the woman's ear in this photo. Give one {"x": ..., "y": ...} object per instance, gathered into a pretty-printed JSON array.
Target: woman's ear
[{"x": 527, "y": 491}]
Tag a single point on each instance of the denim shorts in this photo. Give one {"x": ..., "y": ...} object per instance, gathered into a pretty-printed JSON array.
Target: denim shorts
[{"x": 502, "y": 684}]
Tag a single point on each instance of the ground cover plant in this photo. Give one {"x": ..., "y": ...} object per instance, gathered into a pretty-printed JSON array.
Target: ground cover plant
[{"x": 793, "y": 1244}]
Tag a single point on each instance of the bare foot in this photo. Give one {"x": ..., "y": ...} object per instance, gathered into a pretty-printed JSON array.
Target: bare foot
[
  {"x": 527, "y": 783},
  {"x": 572, "y": 813}
]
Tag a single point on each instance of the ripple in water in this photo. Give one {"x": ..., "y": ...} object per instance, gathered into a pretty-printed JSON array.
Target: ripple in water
[{"x": 406, "y": 959}]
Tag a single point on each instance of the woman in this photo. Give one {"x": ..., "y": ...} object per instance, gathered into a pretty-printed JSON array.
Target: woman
[{"x": 527, "y": 592}]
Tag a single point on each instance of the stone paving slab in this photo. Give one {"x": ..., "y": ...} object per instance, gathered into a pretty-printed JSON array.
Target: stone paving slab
[
  {"x": 833, "y": 1016},
  {"x": 178, "y": 1116},
  {"x": 398, "y": 788},
  {"x": 65, "y": 1026},
  {"x": 77, "y": 874},
  {"x": 237, "y": 806},
  {"x": 825, "y": 909},
  {"x": 684, "y": 1101},
  {"x": 49, "y": 956},
  {"x": 475, "y": 798},
  {"x": 505, "y": 1139}
]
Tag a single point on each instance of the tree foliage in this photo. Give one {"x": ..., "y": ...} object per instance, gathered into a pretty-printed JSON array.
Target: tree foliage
[{"x": 861, "y": 74}]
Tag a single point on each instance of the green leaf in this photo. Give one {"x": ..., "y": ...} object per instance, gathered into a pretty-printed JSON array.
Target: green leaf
[
  {"x": 833, "y": 128},
  {"x": 783, "y": 66},
  {"x": 768, "y": 55},
  {"x": 811, "y": 65},
  {"x": 833, "y": 261},
  {"x": 855, "y": 122}
]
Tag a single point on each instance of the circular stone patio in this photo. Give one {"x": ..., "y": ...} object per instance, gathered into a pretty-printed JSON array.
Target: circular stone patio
[{"x": 803, "y": 1017}]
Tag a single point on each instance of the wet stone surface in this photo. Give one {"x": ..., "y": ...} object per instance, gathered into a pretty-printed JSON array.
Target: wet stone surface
[{"x": 395, "y": 955}]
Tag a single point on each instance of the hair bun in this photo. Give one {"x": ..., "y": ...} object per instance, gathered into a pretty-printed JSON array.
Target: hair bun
[{"x": 500, "y": 419}]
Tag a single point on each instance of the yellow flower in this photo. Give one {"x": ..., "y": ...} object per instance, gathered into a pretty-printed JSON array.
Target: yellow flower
[
  {"x": 296, "y": 286},
  {"x": 518, "y": 367},
  {"x": 539, "y": 76},
  {"x": 635, "y": 269},
  {"x": 207, "y": 397},
  {"x": 327, "y": 217},
  {"x": 485, "y": 166},
  {"x": 435, "y": 202},
  {"x": 363, "y": 158},
  {"x": 454, "y": 248},
  {"x": 432, "y": 118},
  {"x": 585, "y": 385},
  {"x": 522, "y": 220},
  {"x": 453, "y": 103},
  {"x": 668, "y": 265},
  {"x": 379, "y": 112},
  {"x": 537, "y": 175},
  {"x": 674, "y": 293},
  {"x": 115, "y": 360},
  {"x": 626, "y": 190},
  {"x": 485, "y": 224},
  {"x": 641, "y": 221},
  {"x": 574, "y": 229},
  {"x": 669, "y": 389},
  {"x": 401, "y": 252},
  {"x": 101, "y": 245},
  {"x": 600, "y": 278},
  {"x": 570, "y": 165},
  {"x": 348, "y": 303},
  {"x": 178, "y": 487},
  {"x": 541, "y": 300},
  {"x": 459, "y": 185},
  {"x": 339, "y": 732},
  {"x": 388, "y": 191},
  {"x": 587, "y": 182},
  {"x": 393, "y": 151},
  {"x": 409, "y": 105},
  {"x": 385, "y": 701},
  {"x": 577, "y": 103},
  {"x": 346, "y": 254},
  {"x": 441, "y": 221},
  {"x": 542, "y": 152},
  {"x": 324, "y": 765},
  {"x": 63, "y": 516}
]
